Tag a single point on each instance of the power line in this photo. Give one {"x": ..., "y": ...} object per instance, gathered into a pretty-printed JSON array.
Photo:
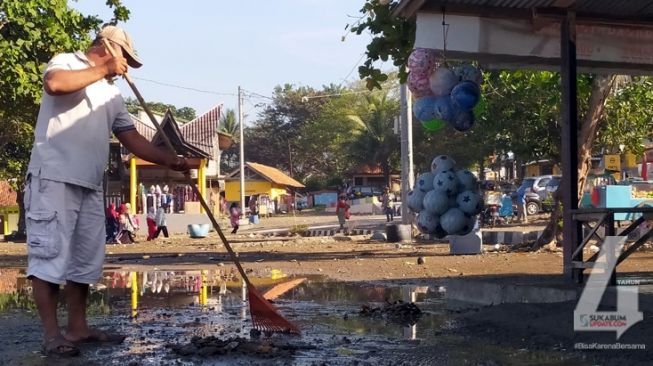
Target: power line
[{"x": 184, "y": 87}]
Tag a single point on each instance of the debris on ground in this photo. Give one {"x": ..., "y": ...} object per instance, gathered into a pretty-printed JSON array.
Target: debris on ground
[
  {"x": 404, "y": 313},
  {"x": 214, "y": 346}
]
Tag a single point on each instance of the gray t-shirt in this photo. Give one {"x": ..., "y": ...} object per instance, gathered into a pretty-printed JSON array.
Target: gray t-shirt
[{"x": 71, "y": 139}]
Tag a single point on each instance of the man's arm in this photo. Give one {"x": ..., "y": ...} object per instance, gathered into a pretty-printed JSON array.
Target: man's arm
[
  {"x": 144, "y": 149},
  {"x": 59, "y": 82}
]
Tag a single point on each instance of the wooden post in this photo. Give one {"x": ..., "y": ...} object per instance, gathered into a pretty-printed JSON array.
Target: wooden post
[
  {"x": 132, "y": 185},
  {"x": 569, "y": 135},
  {"x": 201, "y": 180}
]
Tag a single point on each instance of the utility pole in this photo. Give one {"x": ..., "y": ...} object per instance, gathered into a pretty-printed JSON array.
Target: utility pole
[
  {"x": 241, "y": 122},
  {"x": 407, "y": 174}
]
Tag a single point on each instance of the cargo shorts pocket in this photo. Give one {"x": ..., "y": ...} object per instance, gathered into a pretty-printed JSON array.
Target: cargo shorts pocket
[{"x": 42, "y": 238}]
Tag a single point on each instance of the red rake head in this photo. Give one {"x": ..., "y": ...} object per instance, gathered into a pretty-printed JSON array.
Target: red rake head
[{"x": 265, "y": 317}]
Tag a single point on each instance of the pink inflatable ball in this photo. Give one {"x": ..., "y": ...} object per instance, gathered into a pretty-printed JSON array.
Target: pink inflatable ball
[
  {"x": 421, "y": 60},
  {"x": 442, "y": 80},
  {"x": 419, "y": 84}
]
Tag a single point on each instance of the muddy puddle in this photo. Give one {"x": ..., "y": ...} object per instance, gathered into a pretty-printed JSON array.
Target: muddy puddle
[{"x": 201, "y": 318}]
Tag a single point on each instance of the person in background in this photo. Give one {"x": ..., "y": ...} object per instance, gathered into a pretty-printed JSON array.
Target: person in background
[
  {"x": 161, "y": 224},
  {"x": 151, "y": 223},
  {"x": 342, "y": 210},
  {"x": 111, "y": 219},
  {"x": 234, "y": 214},
  {"x": 133, "y": 219},
  {"x": 386, "y": 203},
  {"x": 521, "y": 205},
  {"x": 125, "y": 234}
]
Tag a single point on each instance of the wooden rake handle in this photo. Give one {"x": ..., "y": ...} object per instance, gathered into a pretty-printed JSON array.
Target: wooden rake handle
[{"x": 189, "y": 181}]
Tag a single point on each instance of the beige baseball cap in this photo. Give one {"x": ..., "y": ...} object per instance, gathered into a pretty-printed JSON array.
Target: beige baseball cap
[{"x": 119, "y": 36}]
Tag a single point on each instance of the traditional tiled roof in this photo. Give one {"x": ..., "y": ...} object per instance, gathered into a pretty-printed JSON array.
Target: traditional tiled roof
[
  {"x": 7, "y": 194},
  {"x": 274, "y": 175},
  {"x": 173, "y": 132},
  {"x": 202, "y": 131}
]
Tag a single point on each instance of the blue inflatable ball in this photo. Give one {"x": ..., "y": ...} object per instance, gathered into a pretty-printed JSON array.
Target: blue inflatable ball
[
  {"x": 453, "y": 221},
  {"x": 436, "y": 203},
  {"x": 470, "y": 226},
  {"x": 446, "y": 182},
  {"x": 467, "y": 180},
  {"x": 424, "y": 182},
  {"x": 423, "y": 108},
  {"x": 453, "y": 202},
  {"x": 427, "y": 223},
  {"x": 442, "y": 163},
  {"x": 415, "y": 200},
  {"x": 465, "y": 95},
  {"x": 442, "y": 108},
  {"x": 469, "y": 72},
  {"x": 463, "y": 121},
  {"x": 468, "y": 202}
]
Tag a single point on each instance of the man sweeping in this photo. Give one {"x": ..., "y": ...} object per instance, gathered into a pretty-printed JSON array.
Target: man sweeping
[{"x": 79, "y": 111}]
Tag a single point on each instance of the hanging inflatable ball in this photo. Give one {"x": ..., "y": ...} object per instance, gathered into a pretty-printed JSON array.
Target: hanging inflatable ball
[
  {"x": 442, "y": 81},
  {"x": 423, "y": 108},
  {"x": 436, "y": 203},
  {"x": 465, "y": 95},
  {"x": 421, "y": 60},
  {"x": 434, "y": 125},
  {"x": 442, "y": 163},
  {"x": 419, "y": 84},
  {"x": 443, "y": 109},
  {"x": 463, "y": 121},
  {"x": 469, "y": 72}
]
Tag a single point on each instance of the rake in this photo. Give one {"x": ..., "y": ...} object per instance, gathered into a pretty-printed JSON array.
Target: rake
[{"x": 265, "y": 317}]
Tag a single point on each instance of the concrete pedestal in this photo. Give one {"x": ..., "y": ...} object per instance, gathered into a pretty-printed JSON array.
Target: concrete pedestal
[
  {"x": 398, "y": 233},
  {"x": 471, "y": 243}
]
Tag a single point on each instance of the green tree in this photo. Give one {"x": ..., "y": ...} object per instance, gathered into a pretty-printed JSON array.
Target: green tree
[
  {"x": 229, "y": 159},
  {"x": 31, "y": 32},
  {"x": 182, "y": 115},
  {"x": 275, "y": 138},
  {"x": 375, "y": 141}
]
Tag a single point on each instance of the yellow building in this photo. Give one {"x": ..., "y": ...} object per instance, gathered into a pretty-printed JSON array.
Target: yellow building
[
  {"x": 260, "y": 180},
  {"x": 541, "y": 167},
  {"x": 8, "y": 209}
]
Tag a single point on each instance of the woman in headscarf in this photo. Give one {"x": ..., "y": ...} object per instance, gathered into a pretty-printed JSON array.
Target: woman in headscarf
[{"x": 111, "y": 217}]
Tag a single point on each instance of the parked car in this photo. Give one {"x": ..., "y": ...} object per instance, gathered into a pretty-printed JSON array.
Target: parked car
[
  {"x": 366, "y": 191},
  {"x": 536, "y": 192},
  {"x": 549, "y": 191}
]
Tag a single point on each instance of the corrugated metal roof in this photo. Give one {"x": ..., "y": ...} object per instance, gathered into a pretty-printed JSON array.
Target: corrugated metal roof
[{"x": 636, "y": 10}]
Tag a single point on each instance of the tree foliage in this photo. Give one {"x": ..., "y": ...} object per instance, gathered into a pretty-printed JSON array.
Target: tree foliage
[
  {"x": 182, "y": 115},
  {"x": 392, "y": 38}
]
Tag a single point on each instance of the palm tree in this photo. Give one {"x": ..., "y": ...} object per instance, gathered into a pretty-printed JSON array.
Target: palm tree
[
  {"x": 229, "y": 124},
  {"x": 375, "y": 142}
]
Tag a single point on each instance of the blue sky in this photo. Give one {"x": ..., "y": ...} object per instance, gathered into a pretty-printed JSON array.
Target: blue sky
[{"x": 218, "y": 45}]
